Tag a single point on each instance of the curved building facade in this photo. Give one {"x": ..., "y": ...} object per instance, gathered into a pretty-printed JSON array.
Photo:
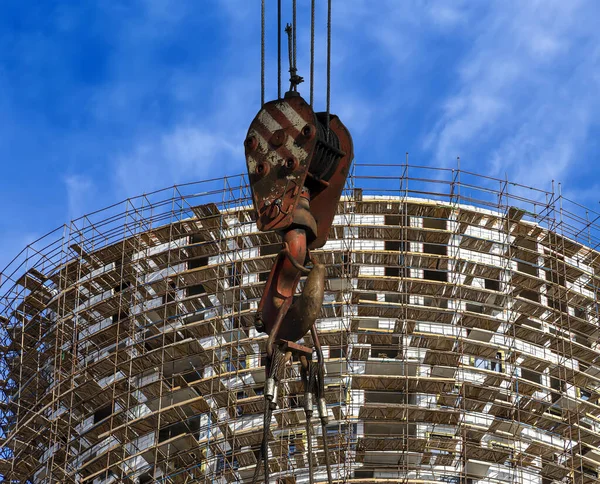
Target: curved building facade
[{"x": 460, "y": 329}]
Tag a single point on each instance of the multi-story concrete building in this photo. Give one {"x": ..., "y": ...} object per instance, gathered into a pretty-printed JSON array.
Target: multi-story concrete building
[{"x": 460, "y": 328}]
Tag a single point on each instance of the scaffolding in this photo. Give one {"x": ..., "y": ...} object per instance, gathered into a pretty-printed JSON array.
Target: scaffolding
[{"x": 460, "y": 329}]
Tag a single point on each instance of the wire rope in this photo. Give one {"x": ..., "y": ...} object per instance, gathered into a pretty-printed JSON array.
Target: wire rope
[
  {"x": 262, "y": 53},
  {"x": 312, "y": 52},
  {"x": 328, "y": 65},
  {"x": 278, "y": 49}
]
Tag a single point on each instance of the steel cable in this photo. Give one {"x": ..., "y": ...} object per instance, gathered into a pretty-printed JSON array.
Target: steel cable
[
  {"x": 278, "y": 49},
  {"x": 321, "y": 394},
  {"x": 262, "y": 53},
  {"x": 309, "y": 440},
  {"x": 310, "y": 388},
  {"x": 312, "y": 52},
  {"x": 328, "y": 65},
  {"x": 276, "y": 370}
]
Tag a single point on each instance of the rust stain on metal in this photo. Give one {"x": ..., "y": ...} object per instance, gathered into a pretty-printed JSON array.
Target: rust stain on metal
[{"x": 276, "y": 140}]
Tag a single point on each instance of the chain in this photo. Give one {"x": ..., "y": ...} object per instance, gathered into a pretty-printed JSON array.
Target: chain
[
  {"x": 295, "y": 79},
  {"x": 294, "y": 26},
  {"x": 288, "y": 31},
  {"x": 293, "y": 56}
]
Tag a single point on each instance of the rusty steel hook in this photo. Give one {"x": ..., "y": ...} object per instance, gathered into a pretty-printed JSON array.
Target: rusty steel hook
[{"x": 297, "y": 169}]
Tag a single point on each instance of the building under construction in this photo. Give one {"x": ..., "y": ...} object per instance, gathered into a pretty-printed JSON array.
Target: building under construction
[{"x": 460, "y": 329}]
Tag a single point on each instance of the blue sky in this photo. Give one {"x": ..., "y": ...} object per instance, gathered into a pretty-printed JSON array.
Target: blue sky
[{"x": 101, "y": 100}]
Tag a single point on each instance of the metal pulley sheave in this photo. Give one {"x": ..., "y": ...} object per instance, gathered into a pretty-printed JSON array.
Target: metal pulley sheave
[{"x": 290, "y": 150}]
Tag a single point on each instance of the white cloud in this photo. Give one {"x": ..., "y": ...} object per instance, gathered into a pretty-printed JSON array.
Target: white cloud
[
  {"x": 80, "y": 193},
  {"x": 211, "y": 109},
  {"x": 526, "y": 92},
  {"x": 186, "y": 153},
  {"x": 510, "y": 86},
  {"x": 447, "y": 14}
]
